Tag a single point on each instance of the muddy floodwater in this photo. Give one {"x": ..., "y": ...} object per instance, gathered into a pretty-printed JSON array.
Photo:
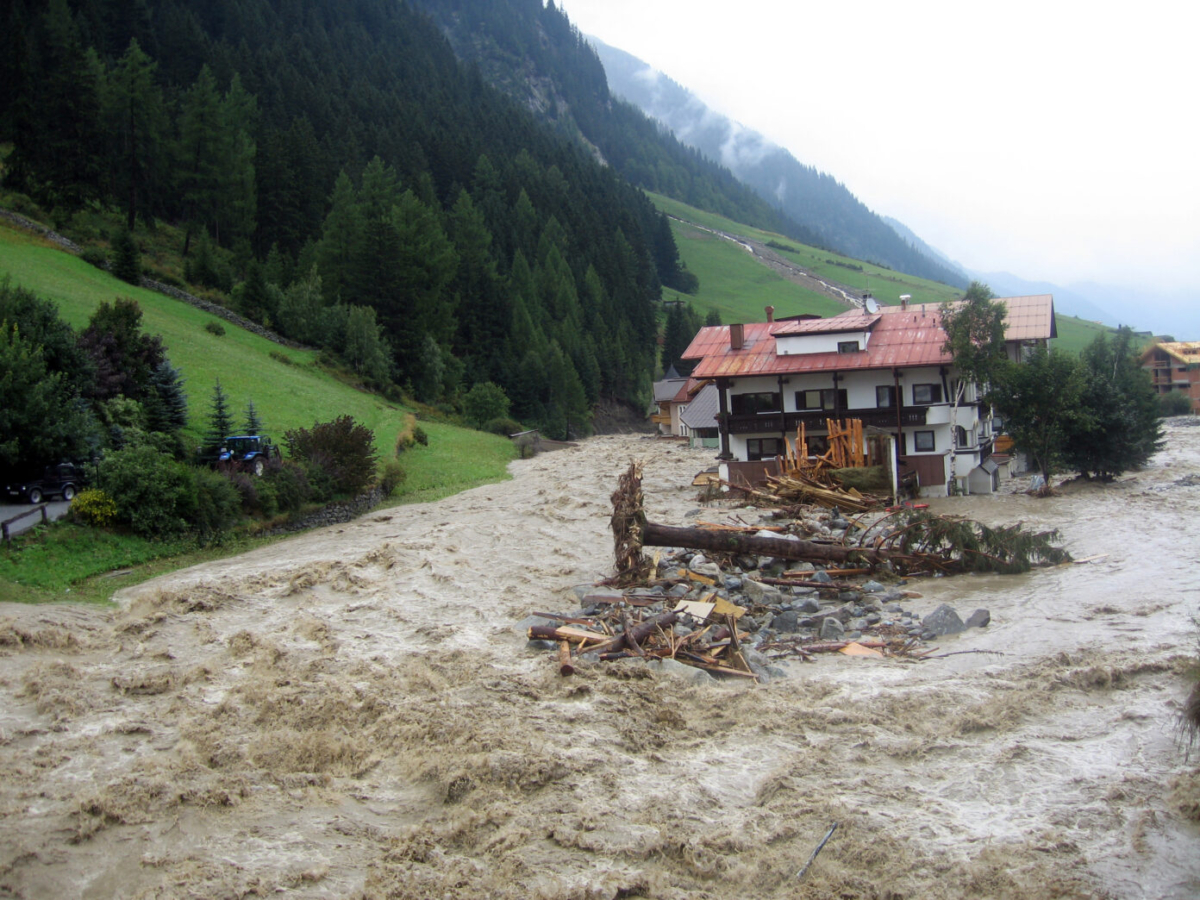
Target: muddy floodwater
[{"x": 353, "y": 713}]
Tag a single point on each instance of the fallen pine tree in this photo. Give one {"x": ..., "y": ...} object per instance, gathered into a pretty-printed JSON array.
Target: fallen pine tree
[{"x": 909, "y": 541}]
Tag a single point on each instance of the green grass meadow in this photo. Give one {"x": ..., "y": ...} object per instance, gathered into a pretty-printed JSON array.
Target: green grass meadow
[
  {"x": 289, "y": 390},
  {"x": 885, "y": 284}
]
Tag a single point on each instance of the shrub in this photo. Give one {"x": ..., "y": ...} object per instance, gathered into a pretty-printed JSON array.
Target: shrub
[
  {"x": 215, "y": 328},
  {"x": 341, "y": 450},
  {"x": 319, "y": 477},
  {"x": 94, "y": 507},
  {"x": 290, "y": 484},
  {"x": 154, "y": 494},
  {"x": 246, "y": 488},
  {"x": 94, "y": 256},
  {"x": 1176, "y": 403},
  {"x": 268, "y": 499},
  {"x": 217, "y": 506},
  {"x": 420, "y": 436},
  {"x": 280, "y": 357},
  {"x": 393, "y": 476},
  {"x": 503, "y": 427}
]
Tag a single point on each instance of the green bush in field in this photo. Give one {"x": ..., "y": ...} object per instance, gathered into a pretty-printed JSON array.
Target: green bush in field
[
  {"x": 215, "y": 328},
  {"x": 502, "y": 427},
  {"x": 290, "y": 484},
  {"x": 218, "y": 506},
  {"x": 393, "y": 477},
  {"x": 341, "y": 451},
  {"x": 485, "y": 401},
  {"x": 155, "y": 495},
  {"x": 94, "y": 507}
]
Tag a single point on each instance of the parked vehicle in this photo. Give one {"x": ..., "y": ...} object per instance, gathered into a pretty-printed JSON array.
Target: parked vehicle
[
  {"x": 63, "y": 480},
  {"x": 251, "y": 452}
]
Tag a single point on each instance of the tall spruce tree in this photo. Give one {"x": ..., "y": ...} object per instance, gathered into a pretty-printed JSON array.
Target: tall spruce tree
[
  {"x": 59, "y": 144},
  {"x": 253, "y": 424},
  {"x": 166, "y": 403},
  {"x": 682, "y": 324},
  {"x": 127, "y": 261},
  {"x": 338, "y": 249},
  {"x": 136, "y": 124},
  {"x": 220, "y": 420}
]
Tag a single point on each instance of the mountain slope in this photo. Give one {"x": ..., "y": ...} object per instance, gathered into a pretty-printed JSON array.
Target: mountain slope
[
  {"x": 476, "y": 243},
  {"x": 813, "y": 199},
  {"x": 534, "y": 54}
]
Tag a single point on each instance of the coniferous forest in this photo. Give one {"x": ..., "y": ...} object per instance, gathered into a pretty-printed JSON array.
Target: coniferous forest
[{"x": 357, "y": 186}]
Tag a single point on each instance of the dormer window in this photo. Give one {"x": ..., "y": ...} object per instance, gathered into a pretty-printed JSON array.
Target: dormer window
[{"x": 848, "y": 347}]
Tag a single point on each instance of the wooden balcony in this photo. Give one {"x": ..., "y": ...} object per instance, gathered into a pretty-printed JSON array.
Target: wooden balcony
[
  {"x": 814, "y": 422},
  {"x": 661, "y": 418}
]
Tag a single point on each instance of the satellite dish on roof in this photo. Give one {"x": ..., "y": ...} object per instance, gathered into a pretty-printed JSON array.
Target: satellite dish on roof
[{"x": 871, "y": 305}]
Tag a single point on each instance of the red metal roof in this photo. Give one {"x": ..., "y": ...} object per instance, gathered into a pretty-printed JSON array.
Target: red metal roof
[
  {"x": 1029, "y": 318},
  {"x": 899, "y": 338}
]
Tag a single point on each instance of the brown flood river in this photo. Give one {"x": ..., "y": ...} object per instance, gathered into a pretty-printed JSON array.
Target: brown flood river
[{"x": 351, "y": 713}]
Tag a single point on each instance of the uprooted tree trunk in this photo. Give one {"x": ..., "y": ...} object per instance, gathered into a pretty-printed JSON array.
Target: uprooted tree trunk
[
  {"x": 914, "y": 541},
  {"x": 654, "y": 535}
]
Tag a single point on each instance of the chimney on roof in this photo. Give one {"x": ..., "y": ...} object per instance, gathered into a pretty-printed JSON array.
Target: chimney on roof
[
  {"x": 770, "y": 314},
  {"x": 904, "y": 298},
  {"x": 737, "y": 337}
]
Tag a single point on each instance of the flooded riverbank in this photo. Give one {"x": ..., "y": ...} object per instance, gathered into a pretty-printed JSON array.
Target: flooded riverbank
[{"x": 353, "y": 713}]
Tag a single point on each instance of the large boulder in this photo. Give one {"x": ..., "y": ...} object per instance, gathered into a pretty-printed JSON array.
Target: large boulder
[
  {"x": 943, "y": 620},
  {"x": 981, "y": 618}
]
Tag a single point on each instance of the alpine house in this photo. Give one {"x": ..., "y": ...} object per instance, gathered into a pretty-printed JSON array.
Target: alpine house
[{"x": 883, "y": 365}]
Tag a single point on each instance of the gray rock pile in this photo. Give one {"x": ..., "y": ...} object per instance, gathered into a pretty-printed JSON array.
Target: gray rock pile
[{"x": 778, "y": 617}]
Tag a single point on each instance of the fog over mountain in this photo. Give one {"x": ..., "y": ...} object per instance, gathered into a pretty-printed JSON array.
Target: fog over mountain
[
  {"x": 812, "y": 198},
  {"x": 818, "y": 201}
]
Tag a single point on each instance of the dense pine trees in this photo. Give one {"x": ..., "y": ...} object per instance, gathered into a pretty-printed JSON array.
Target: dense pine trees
[{"x": 403, "y": 213}]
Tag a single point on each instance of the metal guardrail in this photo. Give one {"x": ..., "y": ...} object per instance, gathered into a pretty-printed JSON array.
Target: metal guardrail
[{"x": 37, "y": 509}]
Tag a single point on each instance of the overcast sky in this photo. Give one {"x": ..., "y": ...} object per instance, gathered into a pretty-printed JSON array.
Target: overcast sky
[{"x": 1059, "y": 141}]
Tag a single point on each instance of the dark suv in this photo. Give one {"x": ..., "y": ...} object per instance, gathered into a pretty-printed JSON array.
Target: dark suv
[{"x": 63, "y": 480}]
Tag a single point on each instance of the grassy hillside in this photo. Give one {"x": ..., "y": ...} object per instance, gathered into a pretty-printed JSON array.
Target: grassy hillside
[
  {"x": 1074, "y": 334},
  {"x": 886, "y": 284},
  {"x": 288, "y": 387},
  {"x": 735, "y": 284},
  {"x": 739, "y": 287}
]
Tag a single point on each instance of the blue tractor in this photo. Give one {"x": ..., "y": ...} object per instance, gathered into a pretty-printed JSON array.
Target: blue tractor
[{"x": 249, "y": 452}]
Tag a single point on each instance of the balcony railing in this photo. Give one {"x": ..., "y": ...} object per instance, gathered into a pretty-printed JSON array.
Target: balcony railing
[{"x": 776, "y": 423}]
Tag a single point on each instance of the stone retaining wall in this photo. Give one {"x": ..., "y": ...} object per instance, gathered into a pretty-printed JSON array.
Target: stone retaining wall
[
  {"x": 332, "y": 513},
  {"x": 53, "y": 236}
]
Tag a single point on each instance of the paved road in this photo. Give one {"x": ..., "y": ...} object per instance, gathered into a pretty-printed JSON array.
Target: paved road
[{"x": 55, "y": 510}]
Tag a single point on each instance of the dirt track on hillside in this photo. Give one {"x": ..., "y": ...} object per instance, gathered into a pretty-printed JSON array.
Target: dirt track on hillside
[{"x": 352, "y": 713}]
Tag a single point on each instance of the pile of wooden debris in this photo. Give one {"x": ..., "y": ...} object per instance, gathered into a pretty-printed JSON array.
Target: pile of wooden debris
[{"x": 662, "y": 609}]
